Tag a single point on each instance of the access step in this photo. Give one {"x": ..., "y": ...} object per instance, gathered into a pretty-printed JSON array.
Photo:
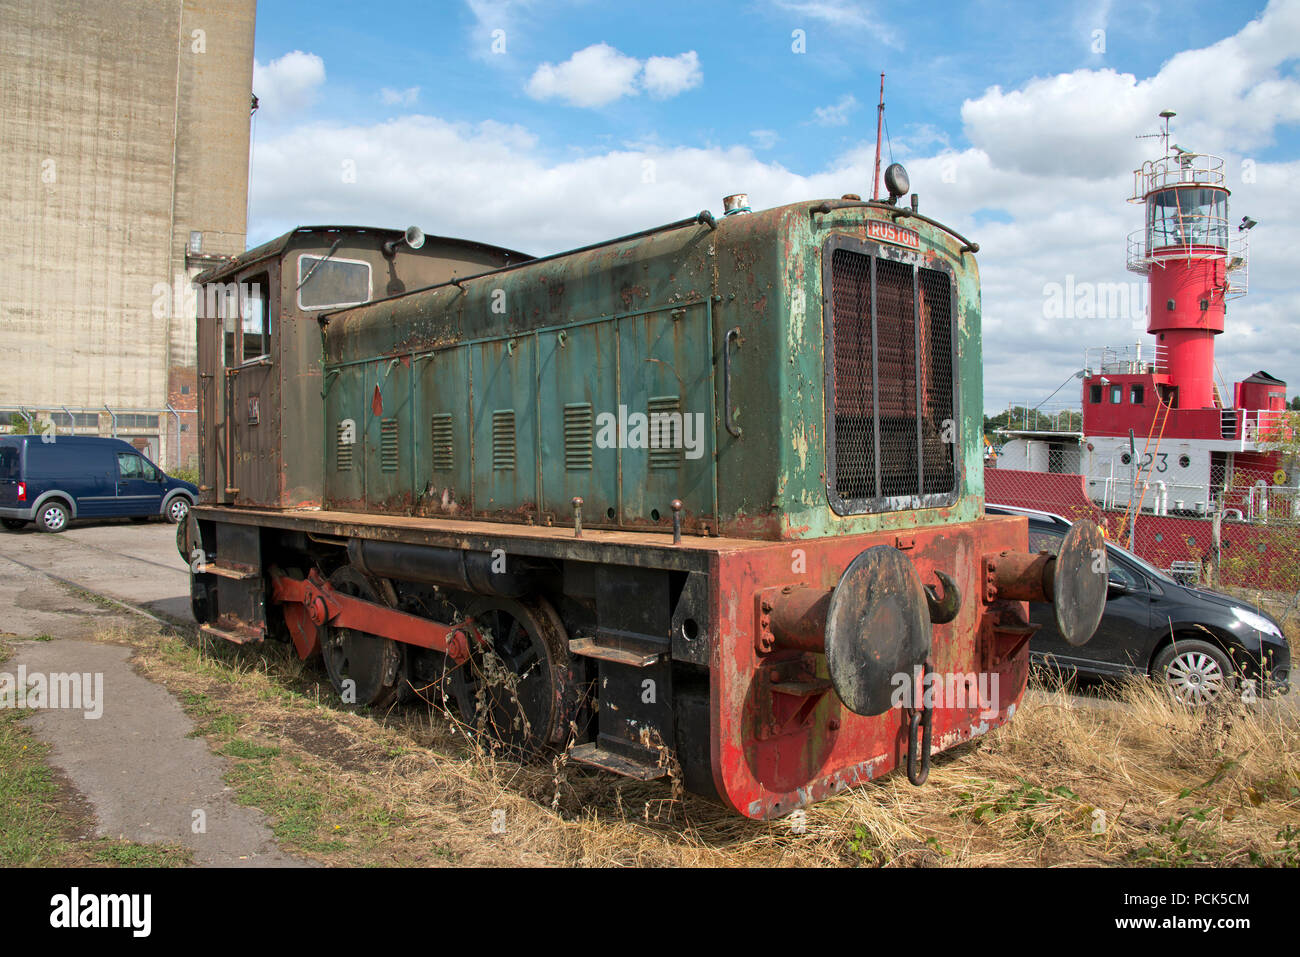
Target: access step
[
  {"x": 231, "y": 570},
  {"x": 236, "y": 634},
  {"x": 620, "y": 652},
  {"x": 598, "y": 757}
]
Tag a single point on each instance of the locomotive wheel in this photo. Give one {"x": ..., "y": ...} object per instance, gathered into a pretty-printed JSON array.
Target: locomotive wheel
[
  {"x": 519, "y": 689},
  {"x": 365, "y": 669}
]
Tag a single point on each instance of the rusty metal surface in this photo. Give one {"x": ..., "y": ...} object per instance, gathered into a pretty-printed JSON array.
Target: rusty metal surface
[
  {"x": 1080, "y": 582},
  {"x": 877, "y": 626},
  {"x": 473, "y": 407},
  {"x": 325, "y": 605},
  {"x": 596, "y": 545},
  {"x": 1018, "y": 576},
  {"x": 261, "y": 427},
  {"x": 629, "y": 323},
  {"x": 772, "y": 754},
  {"x": 1074, "y": 581}
]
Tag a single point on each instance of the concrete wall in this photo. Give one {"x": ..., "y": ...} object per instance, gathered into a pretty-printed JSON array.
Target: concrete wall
[{"x": 122, "y": 129}]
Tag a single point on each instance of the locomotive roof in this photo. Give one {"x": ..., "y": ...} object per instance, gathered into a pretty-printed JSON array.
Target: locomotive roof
[{"x": 277, "y": 247}]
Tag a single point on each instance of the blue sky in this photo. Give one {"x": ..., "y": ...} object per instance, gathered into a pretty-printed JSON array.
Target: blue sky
[{"x": 1017, "y": 123}]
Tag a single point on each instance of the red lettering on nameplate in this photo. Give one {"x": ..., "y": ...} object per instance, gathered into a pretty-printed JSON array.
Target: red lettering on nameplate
[{"x": 889, "y": 233}]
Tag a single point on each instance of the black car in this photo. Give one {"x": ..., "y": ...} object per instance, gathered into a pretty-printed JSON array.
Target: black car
[{"x": 1199, "y": 643}]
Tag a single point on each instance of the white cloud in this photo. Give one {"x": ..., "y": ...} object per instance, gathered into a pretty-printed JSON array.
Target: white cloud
[
  {"x": 1051, "y": 215},
  {"x": 600, "y": 74},
  {"x": 407, "y": 97},
  {"x": 289, "y": 84},
  {"x": 666, "y": 76},
  {"x": 1231, "y": 96},
  {"x": 836, "y": 114},
  {"x": 843, "y": 15},
  {"x": 764, "y": 139},
  {"x": 593, "y": 76},
  {"x": 496, "y": 23}
]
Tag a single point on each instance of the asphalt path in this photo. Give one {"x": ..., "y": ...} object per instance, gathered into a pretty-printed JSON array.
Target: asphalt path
[{"x": 126, "y": 749}]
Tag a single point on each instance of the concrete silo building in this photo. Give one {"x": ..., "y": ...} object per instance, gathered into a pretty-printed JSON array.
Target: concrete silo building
[{"x": 124, "y": 141}]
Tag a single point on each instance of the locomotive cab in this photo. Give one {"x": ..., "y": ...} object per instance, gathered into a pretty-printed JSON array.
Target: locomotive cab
[{"x": 260, "y": 377}]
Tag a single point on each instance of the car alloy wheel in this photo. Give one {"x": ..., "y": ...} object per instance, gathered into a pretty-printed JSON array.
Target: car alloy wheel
[
  {"x": 177, "y": 510},
  {"x": 1194, "y": 672}
]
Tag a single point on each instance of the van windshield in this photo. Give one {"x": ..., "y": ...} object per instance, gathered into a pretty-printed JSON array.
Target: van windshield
[{"x": 9, "y": 461}]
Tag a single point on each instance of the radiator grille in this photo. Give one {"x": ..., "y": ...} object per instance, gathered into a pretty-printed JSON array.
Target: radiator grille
[
  {"x": 939, "y": 417},
  {"x": 343, "y": 447},
  {"x": 444, "y": 458},
  {"x": 666, "y": 439},
  {"x": 577, "y": 436},
  {"x": 388, "y": 445},
  {"x": 503, "y": 439},
  {"x": 891, "y": 355}
]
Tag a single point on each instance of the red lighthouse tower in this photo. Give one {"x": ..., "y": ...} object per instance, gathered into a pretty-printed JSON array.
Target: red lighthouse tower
[
  {"x": 1157, "y": 432},
  {"x": 1193, "y": 263}
]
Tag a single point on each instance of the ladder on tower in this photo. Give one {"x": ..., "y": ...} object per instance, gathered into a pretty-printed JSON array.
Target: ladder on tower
[{"x": 1146, "y": 465}]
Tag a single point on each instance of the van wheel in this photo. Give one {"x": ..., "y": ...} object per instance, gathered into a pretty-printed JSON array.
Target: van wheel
[
  {"x": 13, "y": 524},
  {"x": 177, "y": 509},
  {"x": 53, "y": 517}
]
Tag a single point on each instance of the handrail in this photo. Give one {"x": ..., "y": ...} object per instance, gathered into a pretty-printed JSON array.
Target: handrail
[
  {"x": 702, "y": 218},
  {"x": 898, "y": 212},
  {"x": 1181, "y": 169}
]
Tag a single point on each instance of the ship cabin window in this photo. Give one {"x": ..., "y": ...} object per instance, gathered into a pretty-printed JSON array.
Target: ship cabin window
[
  {"x": 327, "y": 282},
  {"x": 1168, "y": 395},
  {"x": 1135, "y": 394},
  {"x": 255, "y": 316},
  {"x": 1094, "y": 394},
  {"x": 1116, "y": 394}
]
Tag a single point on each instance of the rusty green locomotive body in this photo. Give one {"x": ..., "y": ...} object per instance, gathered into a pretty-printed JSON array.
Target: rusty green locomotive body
[
  {"x": 685, "y": 486},
  {"x": 498, "y": 394}
]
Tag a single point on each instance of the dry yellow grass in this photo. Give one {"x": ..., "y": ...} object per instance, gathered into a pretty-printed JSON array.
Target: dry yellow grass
[{"x": 1070, "y": 781}]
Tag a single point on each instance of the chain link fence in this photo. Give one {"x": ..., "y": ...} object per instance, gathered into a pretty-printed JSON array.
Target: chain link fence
[
  {"x": 167, "y": 436},
  {"x": 1242, "y": 531}
]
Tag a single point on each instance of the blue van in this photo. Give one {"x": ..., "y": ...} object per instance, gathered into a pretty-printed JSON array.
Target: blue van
[{"x": 50, "y": 480}]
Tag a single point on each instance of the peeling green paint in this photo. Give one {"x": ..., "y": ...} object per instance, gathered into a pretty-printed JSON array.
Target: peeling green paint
[{"x": 630, "y": 324}]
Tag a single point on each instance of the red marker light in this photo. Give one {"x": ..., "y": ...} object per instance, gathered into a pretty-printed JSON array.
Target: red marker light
[{"x": 22, "y": 491}]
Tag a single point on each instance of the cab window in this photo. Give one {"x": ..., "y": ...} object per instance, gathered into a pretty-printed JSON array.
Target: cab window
[
  {"x": 326, "y": 282},
  {"x": 225, "y": 298},
  {"x": 255, "y": 316}
]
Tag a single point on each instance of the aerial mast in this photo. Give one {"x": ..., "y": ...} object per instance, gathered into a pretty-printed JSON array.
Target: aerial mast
[{"x": 880, "y": 117}]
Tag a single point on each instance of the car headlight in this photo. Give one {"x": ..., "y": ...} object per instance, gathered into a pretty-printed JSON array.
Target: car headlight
[{"x": 1258, "y": 622}]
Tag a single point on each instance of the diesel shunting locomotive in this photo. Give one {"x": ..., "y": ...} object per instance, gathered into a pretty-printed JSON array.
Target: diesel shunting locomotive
[{"x": 698, "y": 500}]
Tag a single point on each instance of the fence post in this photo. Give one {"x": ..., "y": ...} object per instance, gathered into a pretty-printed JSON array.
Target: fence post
[
  {"x": 1216, "y": 553},
  {"x": 176, "y": 463}
]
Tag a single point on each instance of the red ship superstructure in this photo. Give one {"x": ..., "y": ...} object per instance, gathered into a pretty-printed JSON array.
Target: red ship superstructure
[{"x": 1158, "y": 436}]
